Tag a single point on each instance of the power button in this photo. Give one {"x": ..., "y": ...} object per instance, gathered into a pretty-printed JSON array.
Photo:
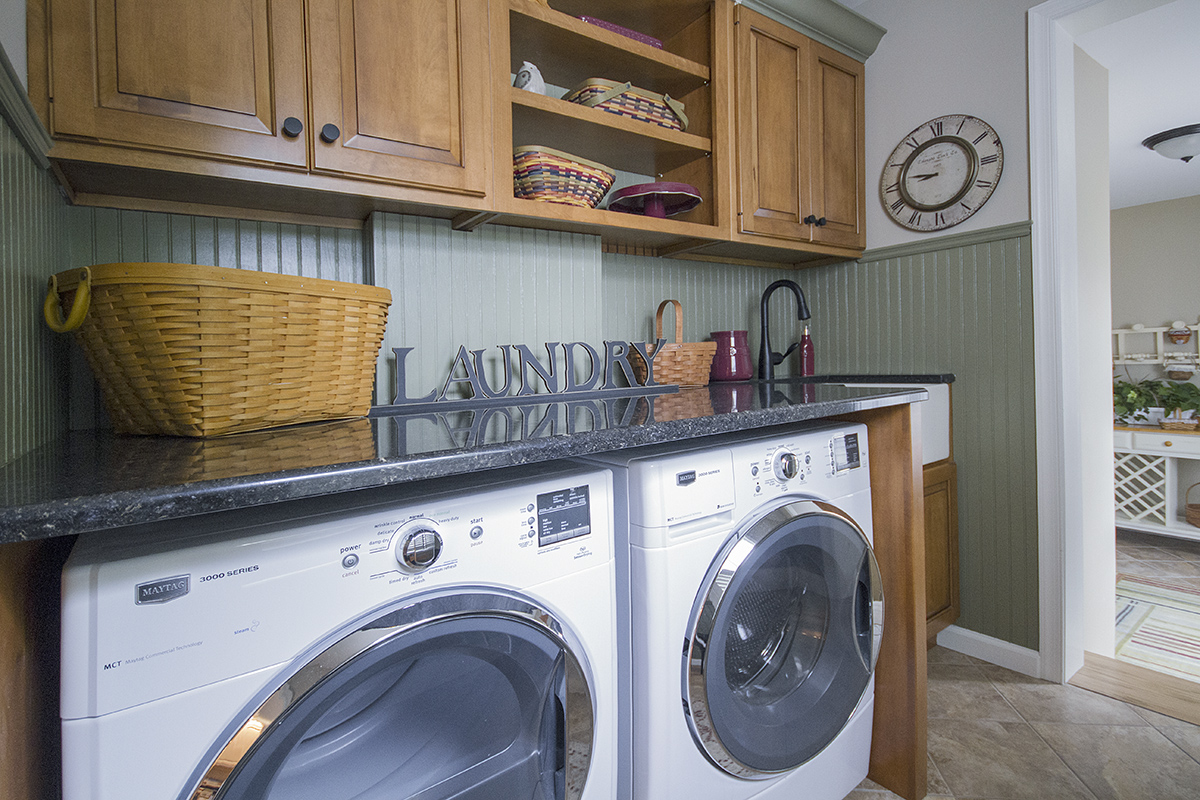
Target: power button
[{"x": 350, "y": 561}]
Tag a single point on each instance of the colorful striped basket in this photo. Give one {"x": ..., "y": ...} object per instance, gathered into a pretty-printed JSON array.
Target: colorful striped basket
[
  {"x": 628, "y": 100},
  {"x": 552, "y": 176}
]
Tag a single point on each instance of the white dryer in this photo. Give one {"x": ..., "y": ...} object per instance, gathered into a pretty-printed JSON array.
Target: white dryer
[
  {"x": 432, "y": 644},
  {"x": 753, "y": 615}
]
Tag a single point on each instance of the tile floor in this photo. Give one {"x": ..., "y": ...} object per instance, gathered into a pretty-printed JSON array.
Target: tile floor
[
  {"x": 997, "y": 735},
  {"x": 1150, "y": 556}
]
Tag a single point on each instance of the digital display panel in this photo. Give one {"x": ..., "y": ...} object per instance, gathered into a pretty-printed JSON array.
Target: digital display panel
[
  {"x": 845, "y": 452},
  {"x": 563, "y": 515}
]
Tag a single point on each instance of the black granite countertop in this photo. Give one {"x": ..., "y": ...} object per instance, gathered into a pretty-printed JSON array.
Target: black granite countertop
[{"x": 92, "y": 481}]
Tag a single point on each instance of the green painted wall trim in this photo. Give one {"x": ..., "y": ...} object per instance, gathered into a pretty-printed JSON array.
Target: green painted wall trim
[
  {"x": 969, "y": 239},
  {"x": 18, "y": 111}
]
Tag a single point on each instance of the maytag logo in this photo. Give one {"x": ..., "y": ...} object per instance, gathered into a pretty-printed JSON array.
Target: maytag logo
[{"x": 163, "y": 590}]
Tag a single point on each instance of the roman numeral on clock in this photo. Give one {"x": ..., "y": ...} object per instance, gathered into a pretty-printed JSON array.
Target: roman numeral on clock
[{"x": 992, "y": 159}]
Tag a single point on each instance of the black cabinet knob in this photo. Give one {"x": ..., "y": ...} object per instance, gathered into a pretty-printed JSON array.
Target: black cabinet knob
[
  {"x": 330, "y": 133},
  {"x": 292, "y": 127},
  {"x": 811, "y": 219},
  {"x": 821, "y": 222}
]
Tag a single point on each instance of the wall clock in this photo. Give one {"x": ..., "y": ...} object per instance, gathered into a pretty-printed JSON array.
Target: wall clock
[{"x": 942, "y": 172}]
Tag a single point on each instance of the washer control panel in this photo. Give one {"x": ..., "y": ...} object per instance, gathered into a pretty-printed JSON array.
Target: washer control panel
[
  {"x": 803, "y": 462},
  {"x": 418, "y": 545},
  {"x": 786, "y": 465}
]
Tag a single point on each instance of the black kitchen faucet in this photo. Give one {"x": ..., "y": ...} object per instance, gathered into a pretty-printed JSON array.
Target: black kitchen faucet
[{"x": 768, "y": 360}]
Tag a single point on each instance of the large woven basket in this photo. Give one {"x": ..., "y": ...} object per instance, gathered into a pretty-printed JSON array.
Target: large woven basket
[
  {"x": 630, "y": 101},
  {"x": 552, "y": 176},
  {"x": 203, "y": 351},
  {"x": 683, "y": 363}
]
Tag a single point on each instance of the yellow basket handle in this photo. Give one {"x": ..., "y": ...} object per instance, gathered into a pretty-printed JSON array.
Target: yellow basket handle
[{"x": 52, "y": 310}]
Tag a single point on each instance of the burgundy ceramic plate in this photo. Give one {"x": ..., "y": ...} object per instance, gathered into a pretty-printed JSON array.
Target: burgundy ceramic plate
[{"x": 661, "y": 199}]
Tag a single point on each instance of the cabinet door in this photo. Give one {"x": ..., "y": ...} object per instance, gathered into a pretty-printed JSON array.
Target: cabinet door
[
  {"x": 838, "y": 147},
  {"x": 941, "y": 546},
  {"x": 404, "y": 82},
  {"x": 773, "y": 136},
  {"x": 215, "y": 77}
]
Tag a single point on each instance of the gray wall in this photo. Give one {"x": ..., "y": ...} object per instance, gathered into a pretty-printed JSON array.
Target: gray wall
[
  {"x": 961, "y": 304},
  {"x": 1154, "y": 254}
]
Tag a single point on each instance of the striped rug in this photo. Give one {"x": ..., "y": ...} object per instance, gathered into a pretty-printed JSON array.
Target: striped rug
[{"x": 1158, "y": 626}]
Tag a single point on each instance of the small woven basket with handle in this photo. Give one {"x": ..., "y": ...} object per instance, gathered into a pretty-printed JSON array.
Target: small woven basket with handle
[
  {"x": 682, "y": 363},
  {"x": 1192, "y": 510}
]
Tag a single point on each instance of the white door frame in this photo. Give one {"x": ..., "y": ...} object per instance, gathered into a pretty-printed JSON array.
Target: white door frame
[
  {"x": 1063, "y": 474},
  {"x": 1055, "y": 314}
]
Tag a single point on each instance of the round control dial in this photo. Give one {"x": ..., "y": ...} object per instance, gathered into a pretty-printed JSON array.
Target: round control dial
[
  {"x": 418, "y": 546},
  {"x": 787, "y": 465}
]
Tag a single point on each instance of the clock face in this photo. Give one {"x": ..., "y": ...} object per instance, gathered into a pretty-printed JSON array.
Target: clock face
[{"x": 942, "y": 172}]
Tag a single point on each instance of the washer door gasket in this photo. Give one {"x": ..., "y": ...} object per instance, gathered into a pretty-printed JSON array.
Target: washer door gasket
[{"x": 783, "y": 639}]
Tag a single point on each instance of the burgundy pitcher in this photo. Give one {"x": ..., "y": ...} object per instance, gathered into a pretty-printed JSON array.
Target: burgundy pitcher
[{"x": 732, "y": 361}]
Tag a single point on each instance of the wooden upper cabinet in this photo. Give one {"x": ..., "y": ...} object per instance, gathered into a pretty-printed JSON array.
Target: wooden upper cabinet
[
  {"x": 838, "y": 147},
  {"x": 800, "y": 136},
  {"x": 405, "y": 83},
  {"x": 216, "y": 77}
]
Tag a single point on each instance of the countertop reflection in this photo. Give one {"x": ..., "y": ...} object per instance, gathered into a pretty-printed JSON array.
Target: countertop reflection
[{"x": 90, "y": 481}]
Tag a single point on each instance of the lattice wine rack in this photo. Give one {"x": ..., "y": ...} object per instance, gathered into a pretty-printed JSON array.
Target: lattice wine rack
[{"x": 1141, "y": 487}]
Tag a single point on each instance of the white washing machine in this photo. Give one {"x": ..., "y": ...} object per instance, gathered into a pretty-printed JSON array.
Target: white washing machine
[
  {"x": 753, "y": 614},
  {"x": 454, "y": 644}
]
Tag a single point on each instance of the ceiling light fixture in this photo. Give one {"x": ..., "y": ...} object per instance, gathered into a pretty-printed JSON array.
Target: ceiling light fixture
[{"x": 1182, "y": 143}]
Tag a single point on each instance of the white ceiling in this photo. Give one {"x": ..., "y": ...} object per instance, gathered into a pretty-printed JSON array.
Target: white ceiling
[{"x": 1153, "y": 61}]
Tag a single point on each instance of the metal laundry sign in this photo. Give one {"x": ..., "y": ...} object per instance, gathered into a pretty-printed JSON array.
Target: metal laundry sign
[{"x": 533, "y": 381}]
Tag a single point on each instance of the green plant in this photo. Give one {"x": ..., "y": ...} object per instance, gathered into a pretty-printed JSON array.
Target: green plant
[
  {"x": 1132, "y": 398},
  {"x": 1179, "y": 396}
]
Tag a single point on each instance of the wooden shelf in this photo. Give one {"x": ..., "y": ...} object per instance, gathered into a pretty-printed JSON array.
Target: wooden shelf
[
  {"x": 615, "y": 141},
  {"x": 567, "y": 51},
  {"x": 611, "y": 225}
]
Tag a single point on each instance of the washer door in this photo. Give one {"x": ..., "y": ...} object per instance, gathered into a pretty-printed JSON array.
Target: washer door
[
  {"x": 783, "y": 640},
  {"x": 470, "y": 696}
]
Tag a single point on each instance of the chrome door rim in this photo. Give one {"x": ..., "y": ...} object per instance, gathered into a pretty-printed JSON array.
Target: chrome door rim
[
  {"x": 733, "y": 554},
  {"x": 420, "y": 613}
]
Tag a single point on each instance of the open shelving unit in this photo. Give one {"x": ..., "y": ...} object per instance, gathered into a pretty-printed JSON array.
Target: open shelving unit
[
  {"x": 1129, "y": 346},
  {"x": 568, "y": 51}
]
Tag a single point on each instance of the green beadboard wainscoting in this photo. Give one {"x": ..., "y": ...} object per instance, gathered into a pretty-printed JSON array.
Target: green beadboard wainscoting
[
  {"x": 495, "y": 285},
  {"x": 715, "y": 297},
  {"x": 960, "y": 304},
  {"x": 32, "y": 368}
]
